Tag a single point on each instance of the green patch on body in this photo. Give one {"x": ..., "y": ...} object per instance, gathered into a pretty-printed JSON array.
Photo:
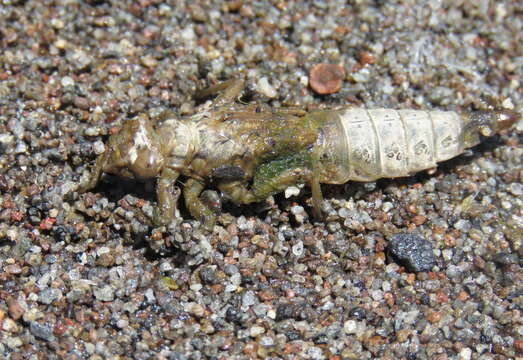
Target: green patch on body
[{"x": 276, "y": 175}]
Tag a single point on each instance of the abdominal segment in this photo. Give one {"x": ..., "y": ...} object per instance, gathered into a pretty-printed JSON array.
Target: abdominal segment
[{"x": 377, "y": 143}]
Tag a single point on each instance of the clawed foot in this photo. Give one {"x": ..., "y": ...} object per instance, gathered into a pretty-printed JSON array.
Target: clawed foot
[{"x": 166, "y": 210}]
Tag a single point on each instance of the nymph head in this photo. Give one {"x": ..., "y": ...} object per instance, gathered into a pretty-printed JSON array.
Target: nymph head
[{"x": 135, "y": 151}]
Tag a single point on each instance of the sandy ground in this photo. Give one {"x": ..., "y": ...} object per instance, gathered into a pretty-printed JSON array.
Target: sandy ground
[{"x": 87, "y": 276}]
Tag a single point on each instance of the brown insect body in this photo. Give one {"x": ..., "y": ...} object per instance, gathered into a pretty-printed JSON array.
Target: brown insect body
[
  {"x": 250, "y": 154},
  {"x": 217, "y": 143}
]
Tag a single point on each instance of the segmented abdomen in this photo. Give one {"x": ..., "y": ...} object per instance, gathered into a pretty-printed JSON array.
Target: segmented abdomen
[{"x": 394, "y": 143}]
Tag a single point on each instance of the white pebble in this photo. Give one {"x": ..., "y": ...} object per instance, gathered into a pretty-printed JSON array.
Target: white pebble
[
  {"x": 387, "y": 206},
  {"x": 195, "y": 287},
  {"x": 271, "y": 314},
  {"x": 508, "y": 104},
  {"x": 266, "y": 89},
  {"x": 230, "y": 288},
  {"x": 188, "y": 34},
  {"x": 6, "y": 138},
  {"x": 236, "y": 279},
  {"x": 67, "y": 81},
  {"x": 195, "y": 309},
  {"x": 149, "y": 294},
  {"x": 501, "y": 11},
  {"x": 291, "y": 191},
  {"x": 349, "y": 326},
  {"x": 465, "y": 354},
  {"x": 256, "y": 330},
  {"x": 516, "y": 189},
  {"x": 122, "y": 323},
  {"x": 297, "y": 249},
  {"x": 506, "y": 205},
  {"x": 20, "y": 148},
  {"x": 304, "y": 81}
]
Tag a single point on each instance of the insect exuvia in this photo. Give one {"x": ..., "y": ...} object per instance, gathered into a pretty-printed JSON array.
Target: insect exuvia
[{"x": 248, "y": 154}]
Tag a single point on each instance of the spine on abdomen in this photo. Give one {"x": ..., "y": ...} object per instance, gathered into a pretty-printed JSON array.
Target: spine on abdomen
[{"x": 395, "y": 143}]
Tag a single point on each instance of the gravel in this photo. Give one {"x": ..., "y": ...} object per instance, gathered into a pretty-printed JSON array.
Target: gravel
[
  {"x": 412, "y": 251},
  {"x": 88, "y": 277}
]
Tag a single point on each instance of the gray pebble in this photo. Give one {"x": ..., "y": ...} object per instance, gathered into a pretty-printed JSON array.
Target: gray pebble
[
  {"x": 105, "y": 293},
  {"x": 41, "y": 331},
  {"x": 505, "y": 258},
  {"x": 412, "y": 251},
  {"x": 48, "y": 295}
]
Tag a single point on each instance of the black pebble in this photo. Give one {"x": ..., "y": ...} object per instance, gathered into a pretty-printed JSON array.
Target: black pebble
[{"x": 411, "y": 251}]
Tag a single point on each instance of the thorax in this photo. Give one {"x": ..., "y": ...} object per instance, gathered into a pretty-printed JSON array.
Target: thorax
[{"x": 237, "y": 138}]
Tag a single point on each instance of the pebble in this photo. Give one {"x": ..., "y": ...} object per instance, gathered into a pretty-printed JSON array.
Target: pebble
[
  {"x": 48, "y": 295},
  {"x": 349, "y": 326},
  {"x": 326, "y": 79},
  {"x": 105, "y": 293},
  {"x": 9, "y": 325},
  {"x": 516, "y": 189},
  {"x": 266, "y": 88},
  {"x": 248, "y": 299},
  {"x": 122, "y": 323},
  {"x": 256, "y": 330},
  {"x": 299, "y": 214},
  {"x": 465, "y": 354},
  {"x": 41, "y": 331},
  {"x": 16, "y": 311},
  {"x": 266, "y": 341},
  {"x": 195, "y": 308},
  {"x": 503, "y": 258},
  {"x": 297, "y": 249},
  {"x": 412, "y": 251},
  {"x": 67, "y": 81},
  {"x": 292, "y": 191},
  {"x": 13, "y": 269},
  {"x": 463, "y": 225}
]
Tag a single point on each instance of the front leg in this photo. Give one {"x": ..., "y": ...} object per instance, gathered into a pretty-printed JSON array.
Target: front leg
[
  {"x": 277, "y": 175},
  {"x": 265, "y": 186},
  {"x": 96, "y": 173},
  {"x": 228, "y": 91},
  {"x": 198, "y": 209},
  {"x": 167, "y": 196},
  {"x": 237, "y": 192}
]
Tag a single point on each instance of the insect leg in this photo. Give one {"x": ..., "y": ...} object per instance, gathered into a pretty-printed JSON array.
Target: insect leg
[
  {"x": 167, "y": 195},
  {"x": 212, "y": 200},
  {"x": 95, "y": 174},
  {"x": 237, "y": 192},
  {"x": 200, "y": 211},
  {"x": 277, "y": 175},
  {"x": 228, "y": 92},
  {"x": 294, "y": 110},
  {"x": 265, "y": 186},
  {"x": 317, "y": 197}
]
